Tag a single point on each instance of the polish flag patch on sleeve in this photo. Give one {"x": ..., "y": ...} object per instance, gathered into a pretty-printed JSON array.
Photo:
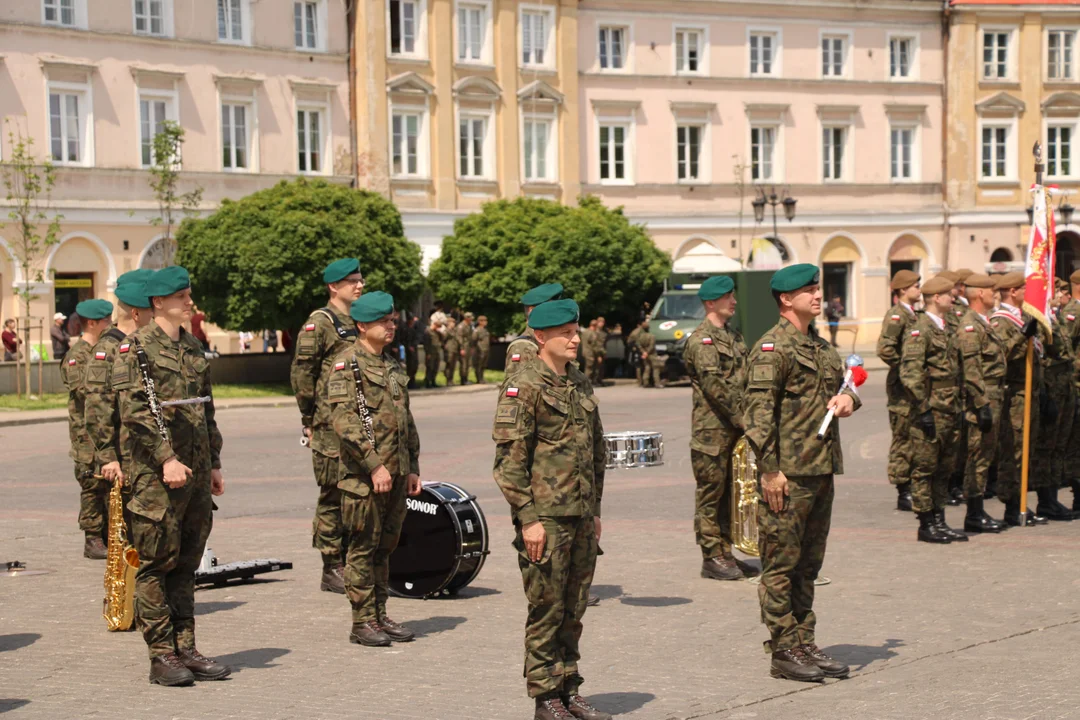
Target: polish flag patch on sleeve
[
  {"x": 1070, "y": 318},
  {"x": 340, "y": 365},
  {"x": 895, "y": 318},
  {"x": 99, "y": 355},
  {"x": 71, "y": 362},
  {"x": 706, "y": 341},
  {"x": 309, "y": 327},
  {"x": 511, "y": 392},
  {"x": 969, "y": 328},
  {"x": 516, "y": 357},
  {"x": 767, "y": 347},
  {"x": 124, "y": 347},
  {"x": 914, "y": 333}
]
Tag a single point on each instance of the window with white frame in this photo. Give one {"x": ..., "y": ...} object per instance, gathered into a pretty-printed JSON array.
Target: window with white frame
[
  {"x": 59, "y": 12},
  {"x": 539, "y": 161},
  {"x": 154, "y": 110},
  {"x": 237, "y": 121},
  {"x": 833, "y": 152},
  {"x": 763, "y": 47},
  {"x": 902, "y": 153},
  {"x": 306, "y": 25},
  {"x": 688, "y": 141},
  {"x": 406, "y": 129},
  {"x": 689, "y": 49},
  {"x": 309, "y": 140},
  {"x": 472, "y": 22},
  {"x": 405, "y": 18},
  {"x": 612, "y": 49},
  {"x": 1060, "y": 50},
  {"x": 834, "y": 50},
  {"x": 995, "y": 151},
  {"x": 231, "y": 20},
  {"x": 901, "y": 57},
  {"x": 1059, "y": 150},
  {"x": 614, "y": 140},
  {"x": 150, "y": 17},
  {"x": 762, "y": 152},
  {"x": 69, "y": 126},
  {"x": 537, "y": 25},
  {"x": 996, "y": 54},
  {"x": 472, "y": 146}
]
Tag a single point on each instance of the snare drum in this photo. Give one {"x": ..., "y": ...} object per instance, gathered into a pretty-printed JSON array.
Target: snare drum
[
  {"x": 634, "y": 449},
  {"x": 443, "y": 545}
]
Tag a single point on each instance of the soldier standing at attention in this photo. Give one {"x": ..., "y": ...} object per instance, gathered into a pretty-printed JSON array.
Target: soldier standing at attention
[
  {"x": 896, "y": 326},
  {"x": 524, "y": 347},
  {"x": 95, "y": 318},
  {"x": 952, "y": 324},
  {"x": 433, "y": 342},
  {"x": 634, "y": 351},
  {"x": 715, "y": 358},
  {"x": 549, "y": 464},
  {"x": 646, "y": 343},
  {"x": 327, "y": 332},
  {"x": 380, "y": 464},
  {"x": 452, "y": 348},
  {"x": 600, "y": 351},
  {"x": 482, "y": 342},
  {"x": 983, "y": 362},
  {"x": 1070, "y": 320},
  {"x": 466, "y": 345},
  {"x": 588, "y": 348},
  {"x": 794, "y": 379},
  {"x": 175, "y": 468}
]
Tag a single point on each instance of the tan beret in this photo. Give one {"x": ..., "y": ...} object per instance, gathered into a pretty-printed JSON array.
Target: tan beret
[
  {"x": 963, "y": 274},
  {"x": 903, "y": 279},
  {"x": 949, "y": 275},
  {"x": 1009, "y": 281},
  {"x": 937, "y": 284},
  {"x": 1075, "y": 278},
  {"x": 978, "y": 280},
  {"x": 1060, "y": 285}
]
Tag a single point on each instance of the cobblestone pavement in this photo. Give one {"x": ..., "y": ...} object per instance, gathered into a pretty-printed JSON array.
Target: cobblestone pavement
[{"x": 981, "y": 630}]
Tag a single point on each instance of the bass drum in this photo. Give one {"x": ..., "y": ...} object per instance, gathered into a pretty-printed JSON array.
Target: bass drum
[{"x": 443, "y": 545}]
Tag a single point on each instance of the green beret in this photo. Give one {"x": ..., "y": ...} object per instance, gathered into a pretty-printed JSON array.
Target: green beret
[
  {"x": 141, "y": 275},
  {"x": 541, "y": 294},
  {"x": 132, "y": 293},
  {"x": 167, "y": 281},
  {"x": 716, "y": 287},
  {"x": 554, "y": 313},
  {"x": 794, "y": 277},
  {"x": 340, "y": 269},
  {"x": 372, "y": 307},
  {"x": 94, "y": 309}
]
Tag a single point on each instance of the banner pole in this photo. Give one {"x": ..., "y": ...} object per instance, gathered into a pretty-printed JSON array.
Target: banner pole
[{"x": 1027, "y": 432}]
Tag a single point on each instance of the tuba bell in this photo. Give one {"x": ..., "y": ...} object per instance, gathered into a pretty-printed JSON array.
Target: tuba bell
[
  {"x": 120, "y": 565},
  {"x": 744, "y": 499}
]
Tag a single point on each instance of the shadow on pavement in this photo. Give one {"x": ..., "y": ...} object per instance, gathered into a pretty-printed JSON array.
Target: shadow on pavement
[
  {"x": 859, "y": 656},
  {"x": 607, "y": 592},
  {"x": 257, "y": 659},
  {"x": 655, "y": 601},
  {"x": 469, "y": 592},
  {"x": 20, "y": 640},
  {"x": 7, "y": 705},
  {"x": 434, "y": 625},
  {"x": 620, "y": 702},
  {"x": 205, "y": 608}
]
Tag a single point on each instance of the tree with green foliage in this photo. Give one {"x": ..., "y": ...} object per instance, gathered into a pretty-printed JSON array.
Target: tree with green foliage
[
  {"x": 257, "y": 262},
  {"x": 606, "y": 263},
  {"x": 165, "y": 182}
]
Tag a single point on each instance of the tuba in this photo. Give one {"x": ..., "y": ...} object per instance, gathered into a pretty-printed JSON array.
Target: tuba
[
  {"x": 744, "y": 499},
  {"x": 120, "y": 565}
]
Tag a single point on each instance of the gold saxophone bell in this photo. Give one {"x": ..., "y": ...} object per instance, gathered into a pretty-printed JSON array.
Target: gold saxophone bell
[
  {"x": 744, "y": 499},
  {"x": 120, "y": 565}
]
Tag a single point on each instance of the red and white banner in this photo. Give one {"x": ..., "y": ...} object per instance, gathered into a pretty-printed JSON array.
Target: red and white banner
[{"x": 1039, "y": 272}]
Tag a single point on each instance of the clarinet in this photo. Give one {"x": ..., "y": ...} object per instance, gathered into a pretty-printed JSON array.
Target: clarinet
[
  {"x": 361, "y": 402},
  {"x": 151, "y": 392}
]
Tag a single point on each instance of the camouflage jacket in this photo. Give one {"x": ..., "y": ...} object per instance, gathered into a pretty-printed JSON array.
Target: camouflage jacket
[
  {"x": 318, "y": 343},
  {"x": 180, "y": 371},
  {"x": 73, "y": 370},
  {"x": 465, "y": 335},
  {"x": 982, "y": 361},
  {"x": 482, "y": 339},
  {"x": 433, "y": 340},
  {"x": 600, "y": 343},
  {"x": 1060, "y": 356},
  {"x": 1008, "y": 324},
  {"x": 384, "y": 384},
  {"x": 102, "y": 410},
  {"x": 452, "y": 343},
  {"x": 715, "y": 358},
  {"x": 898, "y": 322},
  {"x": 955, "y": 316},
  {"x": 646, "y": 342},
  {"x": 632, "y": 338},
  {"x": 930, "y": 367},
  {"x": 549, "y": 444},
  {"x": 1070, "y": 321},
  {"x": 520, "y": 352}
]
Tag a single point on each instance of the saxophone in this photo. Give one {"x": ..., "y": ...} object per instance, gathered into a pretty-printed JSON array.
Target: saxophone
[
  {"x": 744, "y": 499},
  {"x": 120, "y": 565}
]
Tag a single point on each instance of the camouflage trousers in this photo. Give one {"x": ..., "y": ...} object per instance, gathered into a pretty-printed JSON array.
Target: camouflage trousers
[
  {"x": 712, "y": 506},
  {"x": 431, "y": 364},
  {"x": 650, "y": 373},
  {"x": 480, "y": 361},
  {"x": 93, "y": 501},
  {"x": 170, "y": 537},
  {"x": 932, "y": 462},
  {"x": 557, "y": 589},
  {"x": 981, "y": 447},
  {"x": 1011, "y": 443},
  {"x": 792, "y": 544},
  {"x": 463, "y": 368},
  {"x": 1071, "y": 467},
  {"x": 372, "y": 522},
  {"x": 452, "y": 360},
  {"x": 1048, "y": 460},
  {"x": 899, "y": 449},
  {"x": 326, "y": 528}
]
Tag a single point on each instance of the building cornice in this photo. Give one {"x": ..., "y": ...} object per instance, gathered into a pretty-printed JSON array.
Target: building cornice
[
  {"x": 714, "y": 10},
  {"x": 761, "y": 84}
]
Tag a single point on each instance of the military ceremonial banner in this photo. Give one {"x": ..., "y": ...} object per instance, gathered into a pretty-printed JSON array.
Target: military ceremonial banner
[{"x": 1039, "y": 272}]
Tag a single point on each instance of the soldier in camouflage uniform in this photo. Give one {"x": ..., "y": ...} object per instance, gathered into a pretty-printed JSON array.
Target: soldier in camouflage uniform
[
  {"x": 650, "y": 372},
  {"x": 482, "y": 347},
  {"x": 794, "y": 376},
  {"x": 466, "y": 344},
  {"x": 549, "y": 463},
  {"x": 327, "y": 332},
  {"x": 715, "y": 358},
  {"x": 380, "y": 464},
  {"x": 983, "y": 363},
  {"x": 452, "y": 350},
  {"x": 635, "y": 352},
  {"x": 896, "y": 326},
  {"x": 174, "y": 471},
  {"x": 1014, "y": 328},
  {"x": 952, "y": 326},
  {"x": 433, "y": 344},
  {"x": 524, "y": 347},
  {"x": 588, "y": 349},
  {"x": 95, "y": 317},
  {"x": 930, "y": 373},
  {"x": 600, "y": 352},
  {"x": 1070, "y": 321}
]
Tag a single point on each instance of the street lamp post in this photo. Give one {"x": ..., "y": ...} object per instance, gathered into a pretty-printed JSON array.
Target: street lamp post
[{"x": 772, "y": 199}]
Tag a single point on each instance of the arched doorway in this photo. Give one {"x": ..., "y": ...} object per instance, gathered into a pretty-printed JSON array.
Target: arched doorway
[
  {"x": 1001, "y": 255},
  {"x": 768, "y": 253},
  {"x": 1067, "y": 255}
]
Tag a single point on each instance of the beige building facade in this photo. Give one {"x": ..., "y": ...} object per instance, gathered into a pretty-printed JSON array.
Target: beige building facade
[{"x": 260, "y": 88}]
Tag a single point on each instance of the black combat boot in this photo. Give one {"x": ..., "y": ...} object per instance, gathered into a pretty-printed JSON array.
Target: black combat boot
[
  {"x": 1013, "y": 518},
  {"x": 370, "y": 634},
  {"x": 903, "y": 497},
  {"x": 396, "y": 631},
  {"x": 333, "y": 578},
  {"x": 794, "y": 664},
  {"x": 954, "y": 535},
  {"x": 94, "y": 548},
  {"x": 202, "y": 667},
  {"x": 956, "y": 496},
  {"x": 721, "y": 568},
  {"x": 929, "y": 531},
  {"x": 1049, "y": 507},
  {"x": 169, "y": 671},
  {"x": 1034, "y": 518},
  {"x": 1075, "y": 485},
  {"x": 580, "y": 708},
  {"x": 830, "y": 666},
  {"x": 550, "y": 707},
  {"x": 976, "y": 520}
]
